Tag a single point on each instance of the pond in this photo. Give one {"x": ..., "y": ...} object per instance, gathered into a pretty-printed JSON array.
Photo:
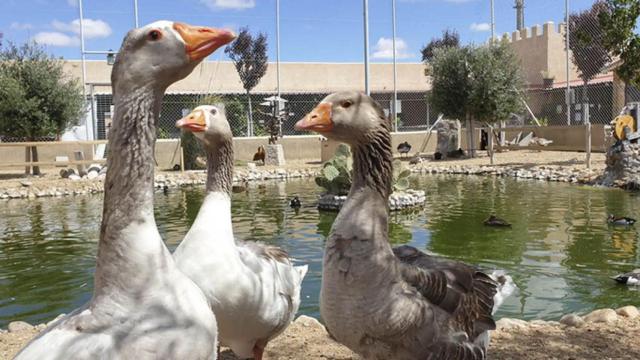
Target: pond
[{"x": 560, "y": 250}]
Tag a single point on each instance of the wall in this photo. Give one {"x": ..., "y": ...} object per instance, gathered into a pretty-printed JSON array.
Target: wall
[{"x": 221, "y": 77}]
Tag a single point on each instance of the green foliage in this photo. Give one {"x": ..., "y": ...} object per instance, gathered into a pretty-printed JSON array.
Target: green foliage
[
  {"x": 586, "y": 41},
  {"x": 450, "y": 38},
  {"x": 335, "y": 176},
  {"x": 450, "y": 82},
  {"x": 620, "y": 38},
  {"x": 37, "y": 99},
  {"x": 485, "y": 82},
  {"x": 496, "y": 82},
  {"x": 249, "y": 55},
  {"x": 400, "y": 176}
]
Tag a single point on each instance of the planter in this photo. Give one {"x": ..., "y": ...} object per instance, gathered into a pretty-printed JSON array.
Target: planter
[{"x": 397, "y": 201}]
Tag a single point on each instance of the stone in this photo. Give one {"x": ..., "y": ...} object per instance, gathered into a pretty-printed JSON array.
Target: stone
[
  {"x": 274, "y": 155},
  {"x": 18, "y": 326},
  {"x": 601, "y": 316},
  {"x": 92, "y": 174},
  {"x": 572, "y": 320},
  {"x": 26, "y": 183},
  {"x": 308, "y": 321},
  {"x": 448, "y": 136},
  {"x": 74, "y": 177},
  {"x": 251, "y": 165},
  {"x": 508, "y": 324},
  {"x": 630, "y": 312}
]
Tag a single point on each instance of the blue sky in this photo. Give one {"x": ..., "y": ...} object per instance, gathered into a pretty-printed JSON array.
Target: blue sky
[{"x": 311, "y": 30}]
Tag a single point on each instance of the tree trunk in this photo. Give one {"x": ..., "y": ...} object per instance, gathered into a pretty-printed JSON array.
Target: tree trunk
[
  {"x": 34, "y": 157},
  {"x": 250, "y": 119},
  {"x": 27, "y": 158},
  {"x": 585, "y": 103}
]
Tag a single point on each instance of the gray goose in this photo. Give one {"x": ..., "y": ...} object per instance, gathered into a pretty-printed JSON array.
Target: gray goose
[
  {"x": 381, "y": 305},
  {"x": 142, "y": 307}
]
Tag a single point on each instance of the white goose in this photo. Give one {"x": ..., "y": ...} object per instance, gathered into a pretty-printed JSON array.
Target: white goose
[
  {"x": 253, "y": 288},
  {"x": 142, "y": 307},
  {"x": 402, "y": 306}
]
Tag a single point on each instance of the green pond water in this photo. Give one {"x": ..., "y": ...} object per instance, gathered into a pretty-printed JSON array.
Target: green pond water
[{"x": 560, "y": 250}]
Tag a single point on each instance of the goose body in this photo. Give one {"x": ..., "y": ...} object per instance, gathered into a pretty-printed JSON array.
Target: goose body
[
  {"x": 371, "y": 301},
  {"x": 623, "y": 221},
  {"x": 253, "y": 288},
  {"x": 496, "y": 222},
  {"x": 630, "y": 278},
  {"x": 143, "y": 306}
]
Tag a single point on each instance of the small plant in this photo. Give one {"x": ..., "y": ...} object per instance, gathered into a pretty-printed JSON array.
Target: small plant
[
  {"x": 335, "y": 176},
  {"x": 400, "y": 176}
]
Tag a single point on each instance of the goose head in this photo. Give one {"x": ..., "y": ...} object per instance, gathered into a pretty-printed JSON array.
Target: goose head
[
  {"x": 208, "y": 123},
  {"x": 349, "y": 117},
  {"x": 164, "y": 52}
]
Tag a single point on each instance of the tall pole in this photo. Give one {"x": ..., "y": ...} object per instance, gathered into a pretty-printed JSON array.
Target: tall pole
[
  {"x": 395, "y": 73},
  {"x": 493, "y": 23},
  {"x": 135, "y": 13},
  {"x": 566, "y": 39},
  {"x": 278, "y": 49},
  {"x": 84, "y": 64},
  {"x": 365, "y": 4}
]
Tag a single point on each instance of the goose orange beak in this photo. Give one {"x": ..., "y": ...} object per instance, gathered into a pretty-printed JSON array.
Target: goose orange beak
[
  {"x": 194, "y": 122},
  {"x": 201, "y": 41},
  {"x": 318, "y": 120}
]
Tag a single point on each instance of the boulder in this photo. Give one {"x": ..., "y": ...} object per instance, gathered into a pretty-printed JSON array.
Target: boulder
[
  {"x": 18, "y": 326},
  {"x": 572, "y": 320},
  {"x": 448, "y": 136},
  {"x": 308, "y": 321},
  {"x": 508, "y": 324},
  {"x": 601, "y": 316},
  {"x": 630, "y": 312}
]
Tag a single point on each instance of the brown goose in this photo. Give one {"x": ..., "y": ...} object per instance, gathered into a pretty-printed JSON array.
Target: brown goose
[
  {"x": 143, "y": 306},
  {"x": 381, "y": 305}
]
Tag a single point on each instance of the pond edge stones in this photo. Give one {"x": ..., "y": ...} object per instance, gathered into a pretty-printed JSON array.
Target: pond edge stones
[{"x": 398, "y": 200}]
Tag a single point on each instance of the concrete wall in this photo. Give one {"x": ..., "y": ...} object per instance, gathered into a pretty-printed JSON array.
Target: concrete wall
[{"x": 565, "y": 138}]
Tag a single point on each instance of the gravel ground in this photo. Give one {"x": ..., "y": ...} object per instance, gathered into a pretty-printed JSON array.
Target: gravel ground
[{"x": 601, "y": 335}]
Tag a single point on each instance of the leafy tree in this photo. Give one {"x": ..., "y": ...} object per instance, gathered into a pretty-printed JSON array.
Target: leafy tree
[
  {"x": 450, "y": 81},
  {"x": 37, "y": 99},
  {"x": 586, "y": 42},
  {"x": 249, "y": 55},
  {"x": 450, "y": 38},
  {"x": 496, "y": 82},
  {"x": 619, "y": 23}
]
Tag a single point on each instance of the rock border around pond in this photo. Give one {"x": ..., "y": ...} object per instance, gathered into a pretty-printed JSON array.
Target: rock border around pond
[{"x": 407, "y": 199}]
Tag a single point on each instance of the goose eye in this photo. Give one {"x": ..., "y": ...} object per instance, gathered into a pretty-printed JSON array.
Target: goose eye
[
  {"x": 346, "y": 104},
  {"x": 154, "y": 35},
  {"x": 213, "y": 111}
]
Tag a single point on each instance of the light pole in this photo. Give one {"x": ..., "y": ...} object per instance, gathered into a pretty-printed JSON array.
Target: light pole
[
  {"x": 395, "y": 74},
  {"x": 493, "y": 23},
  {"x": 278, "y": 47},
  {"x": 365, "y": 4},
  {"x": 566, "y": 39},
  {"x": 135, "y": 13}
]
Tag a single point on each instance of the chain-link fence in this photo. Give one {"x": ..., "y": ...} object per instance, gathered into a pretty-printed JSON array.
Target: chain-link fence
[{"x": 561, "y": 89}]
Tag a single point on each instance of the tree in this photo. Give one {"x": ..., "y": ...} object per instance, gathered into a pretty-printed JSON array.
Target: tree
[
  {"x": 249, "y": 55},
  {"x": 496, "y": 83},
  {"x": 586, "y": 42},
  {"x": 450, "y": 81},
  {"x": 619, "y": 23},
  {"x": 450, "y": 38},
  {"x": 37, "y": 99}
]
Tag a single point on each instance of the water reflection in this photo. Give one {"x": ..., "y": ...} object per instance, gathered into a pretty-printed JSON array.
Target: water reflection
[{"x": 560, "y": 250}]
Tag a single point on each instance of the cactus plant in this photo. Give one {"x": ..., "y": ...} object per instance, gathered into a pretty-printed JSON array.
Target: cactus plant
[
  {"x": 335, "y": 176},
  {"x": 400, "y": 176}
]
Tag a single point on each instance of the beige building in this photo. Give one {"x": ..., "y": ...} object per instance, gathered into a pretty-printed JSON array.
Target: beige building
[{"x": 220, "y": 77}]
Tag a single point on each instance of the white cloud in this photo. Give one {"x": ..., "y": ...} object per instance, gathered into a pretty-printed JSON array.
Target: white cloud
[
  {"x": 229, "y": 4},
  {"x": 92, "y": 28},
  {"x": 480, "y": 27},
  {"x": 20, "y": 26},
  {"x": 384, "y": 49},
  {"x": 55, "y": 38}
]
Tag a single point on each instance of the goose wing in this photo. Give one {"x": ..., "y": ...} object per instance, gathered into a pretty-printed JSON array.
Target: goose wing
[{"x": 459, "y": 289}]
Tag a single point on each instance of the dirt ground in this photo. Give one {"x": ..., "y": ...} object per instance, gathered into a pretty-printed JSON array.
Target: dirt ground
[{"x": 306, "y": 339}]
